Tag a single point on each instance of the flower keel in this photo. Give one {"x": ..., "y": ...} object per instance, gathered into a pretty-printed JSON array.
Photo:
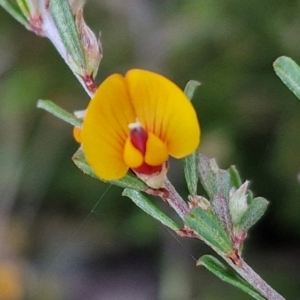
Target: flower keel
[{"x": 145, "y": 153}]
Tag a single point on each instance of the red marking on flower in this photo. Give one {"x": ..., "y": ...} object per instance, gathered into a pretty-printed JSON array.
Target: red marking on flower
[{"x": 139, "y": 137}]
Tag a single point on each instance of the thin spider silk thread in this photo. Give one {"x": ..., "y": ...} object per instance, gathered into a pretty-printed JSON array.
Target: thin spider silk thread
[{"x": 76, "y": 233}]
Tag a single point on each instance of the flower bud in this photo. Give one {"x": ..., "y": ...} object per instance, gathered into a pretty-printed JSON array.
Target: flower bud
[
  {"x": 91, "y": 45},
  {"x": 238, "y": 202}
]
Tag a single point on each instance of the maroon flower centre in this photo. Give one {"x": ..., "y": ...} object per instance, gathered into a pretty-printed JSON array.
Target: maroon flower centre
[{"x": 139, "y": 137}]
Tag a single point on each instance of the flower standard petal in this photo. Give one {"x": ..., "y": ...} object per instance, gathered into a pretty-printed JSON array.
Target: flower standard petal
[
  {"x": 164, "y": 110},
  {"x": 105, "y": 128}
]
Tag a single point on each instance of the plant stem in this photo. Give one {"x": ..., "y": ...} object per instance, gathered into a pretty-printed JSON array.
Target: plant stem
[
  {"x": 175, "y": 200},
  {"x": 245, "y": 271},
  {"x": 241, "y": 267}
]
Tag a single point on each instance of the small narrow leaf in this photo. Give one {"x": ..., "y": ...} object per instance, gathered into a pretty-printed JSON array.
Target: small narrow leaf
[
  {"x": 250, "y": 196},
  {"x": 14, "y": 10},
  {"x": 220, "y": 206},
  {"x": 208, "y": 227},
  {"x": 65, "y": 23},
  {"x": 59, "y": 112},
  {"x": 24, "y": 8},
  {"x": 190, "y": 88},
  {"x": 235, "y": 178},
  {"x": 289, "y": 72},
  {"x": 190, "y": 166},
  {"x": 226, "y": 274},
  {"x": 148, "y": 207},
  {"x": 128, "y": 181},
  {"x": 254, "y": 212},
  {"x": 190, "y": 163},
  {"x": 214, "y": 180}
]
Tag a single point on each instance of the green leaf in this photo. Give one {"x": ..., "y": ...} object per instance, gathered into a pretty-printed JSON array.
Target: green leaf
[
  {"x": 228, "y": 275},
  {"x": 128, "y": 181},
  {"x": 250, "y": 196},
  {"x": 14, "y": 11},
  {"x": 65, "y": 23},
  {"x": 214, "y": 180},
  {"x": 235, "y": 178},
  {"x": 148, "y": 207},
  {"x": 208, "y": 227},
  {"x": 220, "y": 207},
  {"x": 190, "y": 163},
  {"x": 289, "y": 72},
  {"x": 58, "y": 112},
  {"x": 24, "y": 8},
  {"x": 254, "y": 212},
  {"x": 190, "y": 167},
  {"x": 190, "y": 88}
]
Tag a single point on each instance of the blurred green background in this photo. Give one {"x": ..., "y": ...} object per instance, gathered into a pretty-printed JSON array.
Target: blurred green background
[{"x": 64, "y": 235}]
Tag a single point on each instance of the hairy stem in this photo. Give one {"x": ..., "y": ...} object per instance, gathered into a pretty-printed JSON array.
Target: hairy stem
[
  {"x": 245, "y": 271},
  {"x": 170, "y": 195},
  {"x": 175, "y": 200}
]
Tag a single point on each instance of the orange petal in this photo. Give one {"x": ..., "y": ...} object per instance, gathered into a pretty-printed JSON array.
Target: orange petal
[
  {"x": 77, "y": 134},
  {"x": 105, "y": 128},
  {"x": 164, "y": 110}
]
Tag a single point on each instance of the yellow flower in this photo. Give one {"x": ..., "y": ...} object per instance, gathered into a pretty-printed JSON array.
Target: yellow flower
[{"x": 135, "y": 122}]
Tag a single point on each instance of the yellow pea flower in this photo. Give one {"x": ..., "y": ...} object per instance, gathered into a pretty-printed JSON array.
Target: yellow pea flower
[{"x": 135, "y": 122}]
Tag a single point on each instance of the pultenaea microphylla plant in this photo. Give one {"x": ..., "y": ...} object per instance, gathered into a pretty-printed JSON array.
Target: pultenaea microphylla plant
[{"x": 131, "y": 126}]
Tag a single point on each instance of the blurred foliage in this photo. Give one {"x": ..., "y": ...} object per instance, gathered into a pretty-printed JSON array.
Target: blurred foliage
[{"x": 248, "y": 117}]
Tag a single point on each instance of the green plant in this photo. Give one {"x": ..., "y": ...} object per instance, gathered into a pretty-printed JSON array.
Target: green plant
[{"x": 222, "y": 218}]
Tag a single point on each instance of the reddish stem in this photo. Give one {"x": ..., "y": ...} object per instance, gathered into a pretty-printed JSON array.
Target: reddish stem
[{"x": 170, "y": 195}]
